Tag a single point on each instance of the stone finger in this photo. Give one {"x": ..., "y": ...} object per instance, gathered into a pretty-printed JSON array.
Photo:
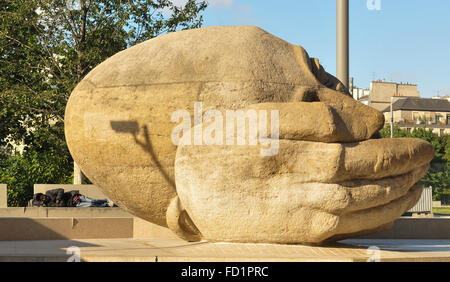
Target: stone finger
[
  {"x": 307, "y": 162},
  {"x": 344, "y": 198},
  {"x": 378, "y": 216}
]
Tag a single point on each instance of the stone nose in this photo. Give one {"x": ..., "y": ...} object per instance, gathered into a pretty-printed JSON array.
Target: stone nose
[{"x": 355, "y": 117}]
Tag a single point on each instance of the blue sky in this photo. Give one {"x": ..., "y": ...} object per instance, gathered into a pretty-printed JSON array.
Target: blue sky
[{"x": 405, "y": 41}]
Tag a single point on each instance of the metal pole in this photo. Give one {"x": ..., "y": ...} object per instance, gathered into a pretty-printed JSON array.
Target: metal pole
[
  {"x": 342, "y": 41},
  {"x": 392, "y": 118}
]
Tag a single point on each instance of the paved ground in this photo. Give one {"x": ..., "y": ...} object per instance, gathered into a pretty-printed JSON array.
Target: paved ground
[{"x": 162, "y": 250}]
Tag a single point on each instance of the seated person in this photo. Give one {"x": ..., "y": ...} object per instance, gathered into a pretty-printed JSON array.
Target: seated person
[{"x": 59, "y": 198}]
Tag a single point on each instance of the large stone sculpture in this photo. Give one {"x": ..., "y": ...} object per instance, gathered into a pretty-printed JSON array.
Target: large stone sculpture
[{"x": 327, "y": 179}]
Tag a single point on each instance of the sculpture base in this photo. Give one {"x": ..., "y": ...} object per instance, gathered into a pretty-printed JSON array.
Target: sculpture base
[{"x": 174, "y": 250}]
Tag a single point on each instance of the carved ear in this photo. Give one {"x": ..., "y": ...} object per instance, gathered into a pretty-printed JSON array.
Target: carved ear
[{"x": 180, "y": 223}]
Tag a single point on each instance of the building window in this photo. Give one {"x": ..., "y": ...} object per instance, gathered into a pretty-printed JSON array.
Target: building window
[{"x": 408, "y": 129}]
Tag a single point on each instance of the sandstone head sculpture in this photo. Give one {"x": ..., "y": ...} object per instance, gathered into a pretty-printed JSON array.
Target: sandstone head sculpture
[{"x": 328, "y": 178}]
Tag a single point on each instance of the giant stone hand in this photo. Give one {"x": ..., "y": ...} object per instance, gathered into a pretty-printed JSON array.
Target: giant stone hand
[{"x": 328, "y": 179}]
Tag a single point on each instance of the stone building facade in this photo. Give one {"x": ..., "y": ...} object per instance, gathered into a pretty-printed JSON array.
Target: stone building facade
[
  {"x": 410, "y": 113},
  {"x": 381, "y": 93}
]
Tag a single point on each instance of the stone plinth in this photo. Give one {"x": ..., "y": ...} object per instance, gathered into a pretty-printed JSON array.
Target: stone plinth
[
  {"x": 73, "y": 224},
  {"x": 175, "y": 250}
]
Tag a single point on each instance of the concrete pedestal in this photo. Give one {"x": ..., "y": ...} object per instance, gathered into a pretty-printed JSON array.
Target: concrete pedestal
[{"x": 174, "y": 250}]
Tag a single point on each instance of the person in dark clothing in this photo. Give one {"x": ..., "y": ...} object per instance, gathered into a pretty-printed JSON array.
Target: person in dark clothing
[
  {"x": 56, "y": 198},
  {"x": 38, "y": 200},
  {"x": 52, "y": 198},
  {"x": 59, "y": 198}
]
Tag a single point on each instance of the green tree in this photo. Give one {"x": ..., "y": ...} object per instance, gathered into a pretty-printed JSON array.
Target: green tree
[
  {"x": 21, "y": 172},
  {"x": 48, "y": 46},
  {"x": 438, "y": 176},
  {"x": 398, "y": 132}
]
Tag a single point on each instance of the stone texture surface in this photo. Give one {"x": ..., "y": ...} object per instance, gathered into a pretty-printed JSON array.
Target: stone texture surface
[
  {"x": 118, "y": 129},
  {"x": 296, "y": 196}
]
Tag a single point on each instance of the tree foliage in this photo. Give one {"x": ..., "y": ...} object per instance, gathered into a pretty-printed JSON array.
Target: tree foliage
[
  {"x": 48, "y": 46},
  {"x": 21, "y": 172},
  {"x": 438, "y": 176}
]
